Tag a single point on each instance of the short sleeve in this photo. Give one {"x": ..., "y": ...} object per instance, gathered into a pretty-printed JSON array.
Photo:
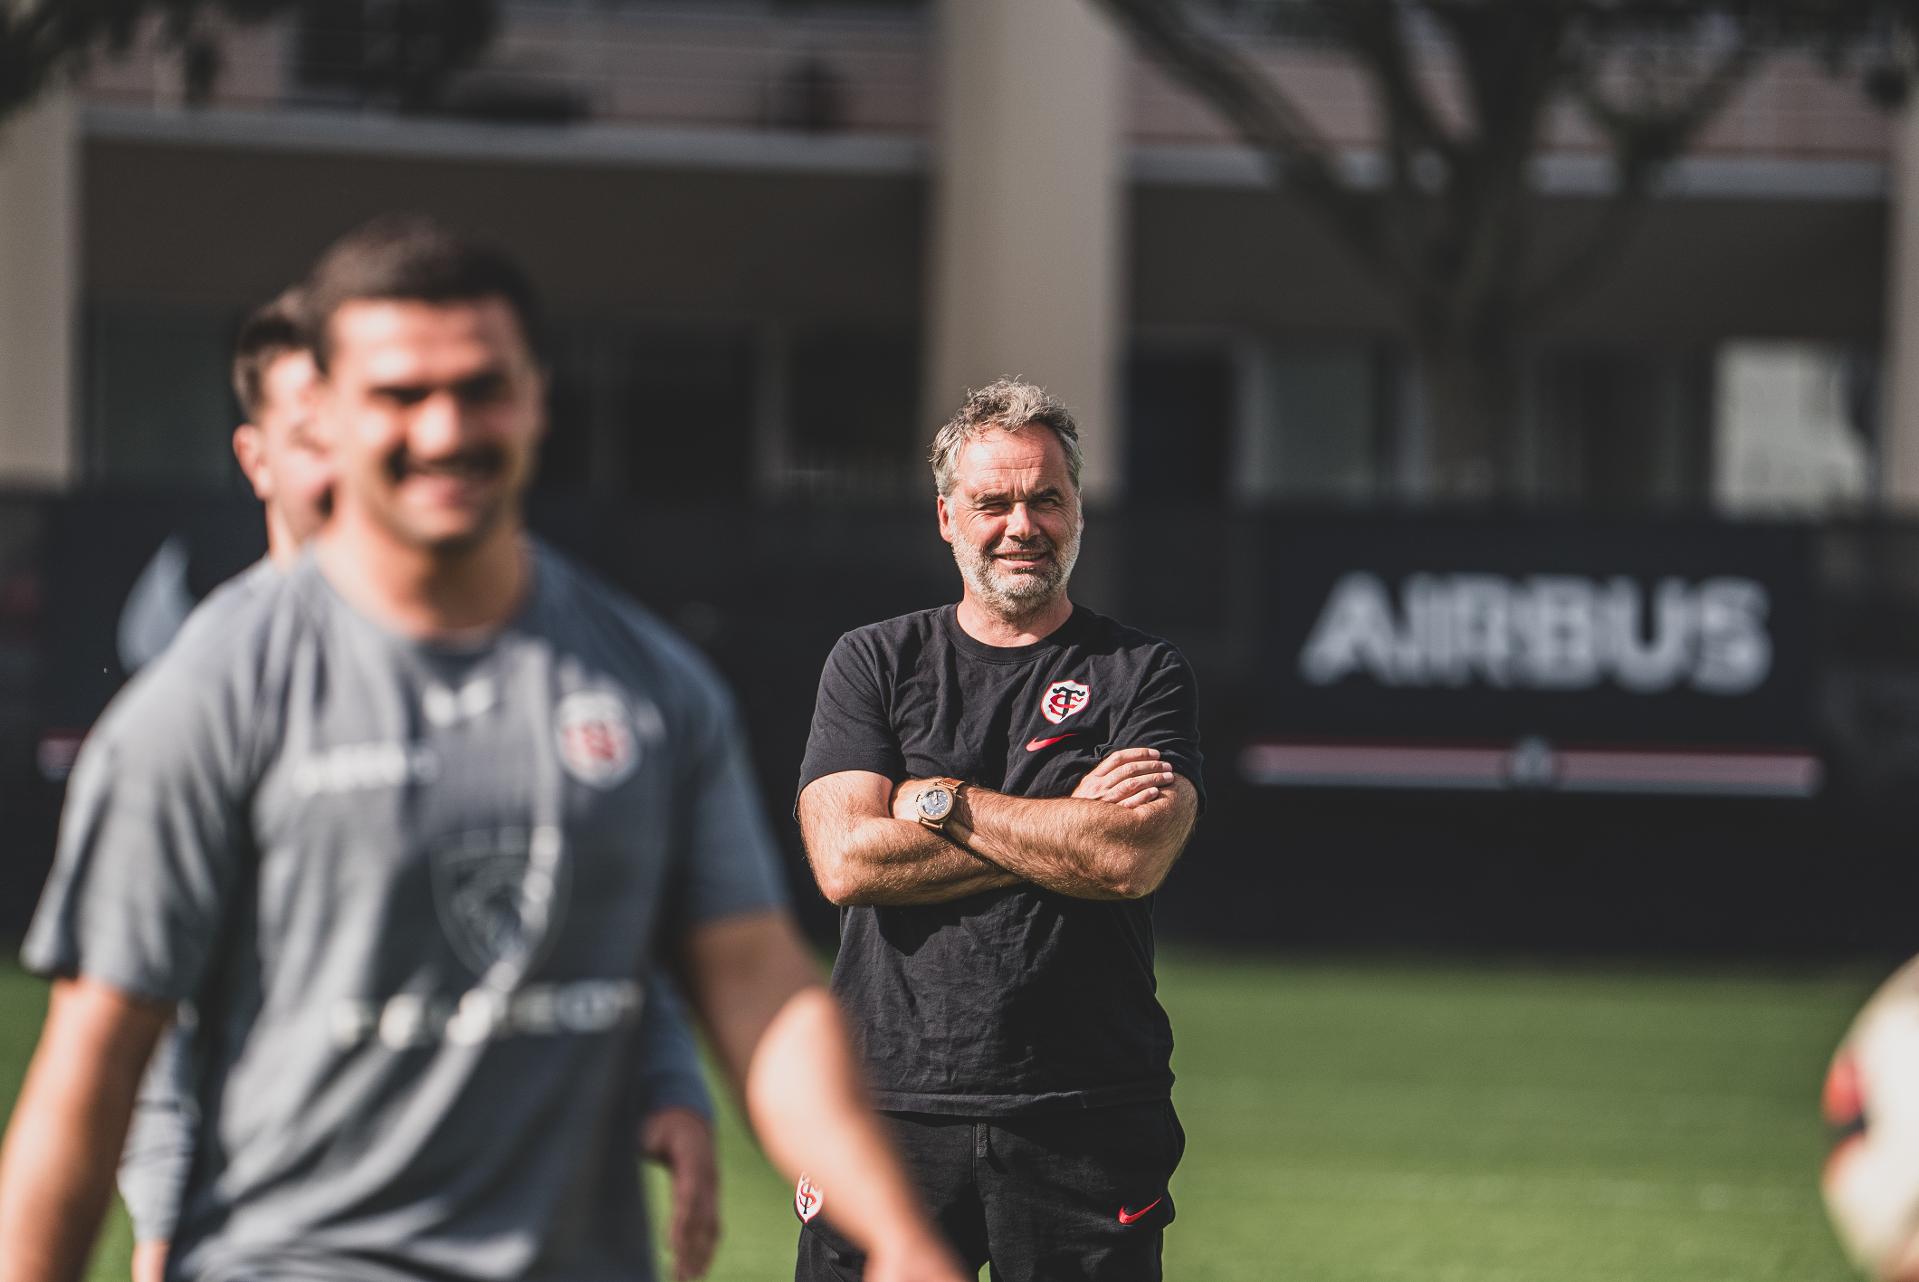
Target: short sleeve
[
  {"x": 670, "y": 1074},
  {"x": 727, "y": 864},
  {"x": 851, "y": 727},
  {"x": 159, "y": 1147},
  {"x": 152, "y": 840},
  {"x": 1165, "y": 715}
]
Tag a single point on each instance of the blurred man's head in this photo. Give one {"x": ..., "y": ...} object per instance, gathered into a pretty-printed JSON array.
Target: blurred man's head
[
  {"x": 1007, "y": 471},
  {"x": 433, "y": 397},
  {"x": 278, "y": 449}
]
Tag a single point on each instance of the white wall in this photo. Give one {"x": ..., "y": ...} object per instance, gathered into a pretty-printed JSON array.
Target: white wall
[{"x": 39, "y": 293}]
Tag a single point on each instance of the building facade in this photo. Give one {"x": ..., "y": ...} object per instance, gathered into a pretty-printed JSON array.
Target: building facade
[
  {"x": 778, "y": 240},
  {"x": 807, "y": 228}
]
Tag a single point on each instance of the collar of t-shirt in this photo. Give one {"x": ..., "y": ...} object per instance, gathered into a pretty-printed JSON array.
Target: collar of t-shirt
[
  {"x": 458, "y": 648},
  {"x": 1065, "y": 634}
]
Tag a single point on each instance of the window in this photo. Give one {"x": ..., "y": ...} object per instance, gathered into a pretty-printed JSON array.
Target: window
[
  {"x": 1317, "y": 423},
  {"x": 1621, "y": 427},
  {"x": 651, "y": 411},
  {"x": 1255, "y": 421},
  {"x": 158, "y": 410},
  {"x": 686, "y": 408},
  {"x": 1792, "y": 427},
  {"x": 1179, "y": 414},
  {"x": 853, "y": 411}
]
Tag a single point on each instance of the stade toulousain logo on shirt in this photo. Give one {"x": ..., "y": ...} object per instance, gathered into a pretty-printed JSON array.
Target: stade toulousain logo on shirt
[
  {"x": 1063, "y": 699},
  {"x": 595, "y": 737}
]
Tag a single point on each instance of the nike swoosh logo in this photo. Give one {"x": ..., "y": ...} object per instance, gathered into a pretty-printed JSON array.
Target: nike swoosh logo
[
  {"x": 1129, "y": 1217},
  {"x": 1034, "y": 745}
]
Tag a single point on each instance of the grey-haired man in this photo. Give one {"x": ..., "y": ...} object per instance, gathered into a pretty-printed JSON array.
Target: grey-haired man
[{"x": 992, "y": 792}]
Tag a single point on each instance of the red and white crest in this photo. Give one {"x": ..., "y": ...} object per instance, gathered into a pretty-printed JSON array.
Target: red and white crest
[
  {"x": 807, "y": 1199},
  {"x": 595, "y": 737},
  {"x": 1063, "y": 699}
]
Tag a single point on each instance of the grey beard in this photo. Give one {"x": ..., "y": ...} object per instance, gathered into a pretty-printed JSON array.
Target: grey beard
[{"x": 1015, "y": 596}]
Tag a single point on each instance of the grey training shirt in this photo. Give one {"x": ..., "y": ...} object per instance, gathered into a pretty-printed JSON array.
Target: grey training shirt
[
  {"x": 159, "y": 1148},
  {"x": 411, "y": 891}
]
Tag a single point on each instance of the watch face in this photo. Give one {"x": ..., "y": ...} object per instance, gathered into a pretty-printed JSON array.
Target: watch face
[{"x": 935, "y": 803}]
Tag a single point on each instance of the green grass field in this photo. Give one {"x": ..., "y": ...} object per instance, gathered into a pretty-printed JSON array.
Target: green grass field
[{"x": 1399, "y": 1122}]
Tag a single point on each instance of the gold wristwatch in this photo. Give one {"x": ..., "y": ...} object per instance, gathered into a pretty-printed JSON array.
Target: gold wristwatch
[{"x": 935, "y": 802}]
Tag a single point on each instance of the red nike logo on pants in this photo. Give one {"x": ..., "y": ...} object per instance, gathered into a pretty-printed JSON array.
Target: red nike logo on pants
[{"x": 1128, "y": 1217}]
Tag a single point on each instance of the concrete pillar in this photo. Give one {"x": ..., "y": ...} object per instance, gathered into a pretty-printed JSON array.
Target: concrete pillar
[
  {"x": 1899, "y": 426},
  {"x": 39, "y": 293},
  {"x": 1026, "y": 214}
]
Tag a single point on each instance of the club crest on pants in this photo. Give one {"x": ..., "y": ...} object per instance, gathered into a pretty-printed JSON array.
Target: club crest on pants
[
  {"x": 807, "y": 1199},
  {"x": 1063, "y": 699}
]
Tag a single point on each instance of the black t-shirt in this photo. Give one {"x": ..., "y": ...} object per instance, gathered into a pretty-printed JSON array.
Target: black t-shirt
[{"x": 1021, "y": 999}]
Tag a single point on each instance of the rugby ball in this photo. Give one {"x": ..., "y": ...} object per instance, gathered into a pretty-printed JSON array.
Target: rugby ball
[{"x": 1871, "y": 1100}]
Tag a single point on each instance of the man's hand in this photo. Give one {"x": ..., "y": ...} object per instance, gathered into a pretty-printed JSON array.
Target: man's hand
[
  {"x": 1130, "y": 777},
  {"x": 682, "y": 1141}
]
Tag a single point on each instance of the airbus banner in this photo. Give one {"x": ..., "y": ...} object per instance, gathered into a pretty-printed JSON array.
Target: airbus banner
[{"x": 1643, "y": 656}]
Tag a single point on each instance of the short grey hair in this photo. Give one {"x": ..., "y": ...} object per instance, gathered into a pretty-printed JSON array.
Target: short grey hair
[{"x": 1005, "y": 406}]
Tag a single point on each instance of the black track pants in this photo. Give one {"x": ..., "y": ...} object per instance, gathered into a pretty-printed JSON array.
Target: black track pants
[{"x": 1052, "y": 1198}]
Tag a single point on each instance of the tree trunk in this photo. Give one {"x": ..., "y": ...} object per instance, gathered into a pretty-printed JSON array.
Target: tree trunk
[{"x": 1467, "y": 382}]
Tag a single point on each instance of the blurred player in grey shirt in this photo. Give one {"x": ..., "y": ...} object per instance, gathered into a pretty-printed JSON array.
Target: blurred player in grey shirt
[
  {"x": 285, "y": 461},
  {"x": 407, "y": 829}
]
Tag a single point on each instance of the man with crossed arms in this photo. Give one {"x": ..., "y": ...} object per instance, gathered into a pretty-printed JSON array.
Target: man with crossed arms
[{"x": 992, "y": 792}]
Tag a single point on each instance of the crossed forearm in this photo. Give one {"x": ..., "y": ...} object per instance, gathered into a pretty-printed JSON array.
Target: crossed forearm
[
  {"x": 1078, "y": 847},
  {"x": 894, "y": 862},
  {"x": 1115, "y": 841},
  {"x": 905, "y": 863}
]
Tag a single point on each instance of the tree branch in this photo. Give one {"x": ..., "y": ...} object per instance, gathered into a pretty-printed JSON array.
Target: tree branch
[
  {"x": 43, "y": 39},
  {"x": 1263, "y": 116},
  {"x": 28, "y": 54},
  {"x": 1376, "y": 31},
  {"x": 1645, "y": 142},
  {"x": 1512, "y": 53},
  {"x": 1654, "y": 133}
]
